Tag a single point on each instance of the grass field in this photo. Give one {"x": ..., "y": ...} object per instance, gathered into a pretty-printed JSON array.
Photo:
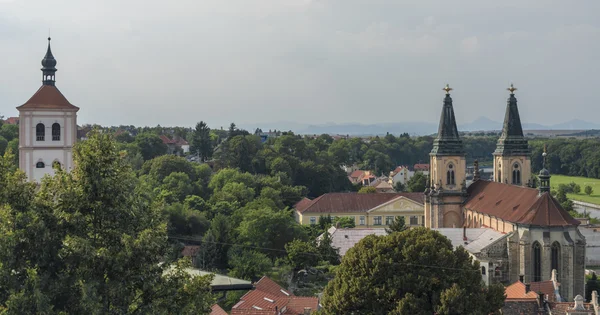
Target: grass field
[{"x": 582, "y": 181}]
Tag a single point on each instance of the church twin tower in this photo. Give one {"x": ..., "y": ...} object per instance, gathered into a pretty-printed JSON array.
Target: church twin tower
[{"x": 447, "y": 188}]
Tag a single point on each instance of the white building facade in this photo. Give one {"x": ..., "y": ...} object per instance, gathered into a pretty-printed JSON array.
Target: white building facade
[{"x": 47, "y": 127}]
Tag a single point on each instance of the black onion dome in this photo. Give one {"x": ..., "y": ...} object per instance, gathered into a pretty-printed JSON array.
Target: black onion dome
[{"x": 49, "y": 62}]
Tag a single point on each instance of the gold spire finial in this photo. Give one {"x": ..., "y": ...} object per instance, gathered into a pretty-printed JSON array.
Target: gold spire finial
[
  {"x": 447, "y": 89},
  {"x": 512, "y": 89}
]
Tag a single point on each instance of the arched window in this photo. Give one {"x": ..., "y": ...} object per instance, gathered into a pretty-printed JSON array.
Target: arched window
[
  {"x": 516, "y": 174},
  {"x": 55, "y": 132},
  {"x": 555, "y": 257},
  {"x": 450, "y": 175},
  {"x": 537, "y": 262},
  {"x": 482, "y": 271},
  {"x": 55, "y": 164},
  {"x": 497, "y": 272},
  {"x": 40, "y": 132},
  {"x": 40, "y": 164},
  {"x": 499, "y": 179}
]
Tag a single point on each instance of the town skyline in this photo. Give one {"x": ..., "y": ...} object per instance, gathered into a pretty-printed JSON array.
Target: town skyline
[{"x": 300, "y": 62}]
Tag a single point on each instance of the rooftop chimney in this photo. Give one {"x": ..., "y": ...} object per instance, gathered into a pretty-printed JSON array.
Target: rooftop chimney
[
  {"x": 521, "y": 278},
  {"x": 307, "y": 310},
  {"x": 527, "y": 287},
  {"x": 465, "y": 233}
]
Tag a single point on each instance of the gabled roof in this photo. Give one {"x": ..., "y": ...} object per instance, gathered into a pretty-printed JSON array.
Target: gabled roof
[
  {"x": 477, "y": 239},
  {"x": 48, "y": 97},
  {"x": 344, "y": 239},
  {"x": 517, "y": 204},
  {"x": 516, "y": 291},
  {"x": 302, "y": 204},
  {"x": 267, "y": 285},
  {"x": 357, "y": 174},
  {"x": 166, "y": 140},
  {"x": 269, "y": 296},
  {"x": 354, "y": 202},
  {"x": 421, "y": 167},
  {"x": 217, "y": 310}
]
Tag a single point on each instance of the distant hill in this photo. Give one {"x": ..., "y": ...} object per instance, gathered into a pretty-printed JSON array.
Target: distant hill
[{"x": 412, "y": 128}]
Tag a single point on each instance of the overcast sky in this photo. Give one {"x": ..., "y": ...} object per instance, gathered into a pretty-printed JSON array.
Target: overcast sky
[{"x": 147, "y": 62}]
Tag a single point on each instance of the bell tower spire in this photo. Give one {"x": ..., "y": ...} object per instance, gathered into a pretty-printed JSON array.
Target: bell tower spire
[
  {"x": 49, "y": 67},
  {"x": 512, "y": 161},
  {"x": 447, "y": 172}
]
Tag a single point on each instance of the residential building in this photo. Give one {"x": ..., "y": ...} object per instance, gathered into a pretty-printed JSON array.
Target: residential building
[
  {"x": 401, "y": 174},
  {"x": 423, "y": 168},
  {"x": 47, "y": 128},
  {"x": 270, "y": 298},
  {"x": 361, "y": 177},
  {"x": 382, "y": 185},
  {"x": 540, "y": 235},
  {"x": 175, "y": 144},
  {"x": 11, "y": 121},
  {"x": 367, "y": 210}
]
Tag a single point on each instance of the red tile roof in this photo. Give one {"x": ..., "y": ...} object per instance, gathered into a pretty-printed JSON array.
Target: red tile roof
[
  {"x": 268, "y": 296},
  {"x": 354, "y": 202},
  {"x": 217, "y": 310},
  {"x": 166, "y": 140},
  {"x": 516, "y": 291},
  {"x": 48, "y": 97},
  {"x": 421, "y": 167},
  {"x": 517, "y": 204},
  {"x": 303, "y": 203},
  {"x": 12, "y": 121},
  {"x": 357, "y": 174},
  {"x": 545, "y": 287}
]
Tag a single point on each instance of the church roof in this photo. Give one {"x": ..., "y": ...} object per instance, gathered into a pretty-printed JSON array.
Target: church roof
[
  {"x": 447, "y": 141},
  {"x": 517, "y": 204},
  {"x": 48, "y": 97},
  {"x": 512, "y": 141},
  {"x": 352, "y": 202}
]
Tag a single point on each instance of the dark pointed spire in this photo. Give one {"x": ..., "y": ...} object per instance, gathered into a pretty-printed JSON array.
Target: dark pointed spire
[
  {"x": 48, "y": 67},
  {"x": 448, "y": 141},
  {"x": 512, "y": 141},
  {"x": 544, "y": 175}
]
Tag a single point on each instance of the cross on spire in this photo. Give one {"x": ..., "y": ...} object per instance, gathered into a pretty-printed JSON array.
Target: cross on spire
[
  {"x": 447, "y": 89},
  {"x": 512, "y": 89}
]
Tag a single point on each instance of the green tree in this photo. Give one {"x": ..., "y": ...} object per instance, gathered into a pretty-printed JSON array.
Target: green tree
[
  {"x": 178, "y": 184},
  {"x": 399, "y": 187},
  {"x": 248, "y": 264},
  {"x": 302, "y": 254},
  {"x": 221, "y": 233},
  {"x": 417, "y": 183},
  {"x": 202, "y": 144},
  {"x": 344, "y": 222},
  {"x": 367, "y": 190},
  {"x": 3, "y": 145},
  {"x": 419, "y": 269},
  {"x": 150, "y": 145},
  {"x": 9, "y": 132},
  {"x": 398, "y": 225},
  {"x": 326, "y": 250},
  {"x": 94, "y": 243},
  {"x": 269, "y": 229},
  {"x": 591, "y": 285},
  {"x": 589, "y": 190},
  {"x": 160, "y": 167}
]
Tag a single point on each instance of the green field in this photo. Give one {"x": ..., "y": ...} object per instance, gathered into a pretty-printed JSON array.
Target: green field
[{"x": 582, "y": 181}]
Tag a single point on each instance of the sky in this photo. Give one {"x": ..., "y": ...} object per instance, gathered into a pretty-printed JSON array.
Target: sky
[{"x": 147, "y": 62}]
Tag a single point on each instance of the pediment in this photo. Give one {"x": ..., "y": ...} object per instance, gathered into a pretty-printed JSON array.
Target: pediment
[{"x": 399, "y": 204}]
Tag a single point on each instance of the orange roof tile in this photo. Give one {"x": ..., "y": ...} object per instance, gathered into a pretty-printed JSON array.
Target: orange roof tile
[
  {"x": 267, "y": 285},
  {"x": 297, "y": 304},
  {"x": 517, "y": 204},
  {"x": 357, "y": 174},
  {"x": 303, "y": 203},
  {"x": 354, "y": 202},
  {"x": 48, "y": 97},
  {"x": 217, "y": 310},
  {"x": 545, "y": 287},
  {"x": 253, "y": 312},
  {"x": 516, "y": 291}
]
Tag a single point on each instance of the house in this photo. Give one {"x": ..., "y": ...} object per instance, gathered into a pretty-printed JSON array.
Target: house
[
  {"x": 382, "y": 185},
  {"x": 270, "y": 298},
  {"x": 191, "y": 251},
  {"x": 217, "y": 310},
  {"x": 401, "y": 174},
  {"x": 11, "y": 121},
  {"x": 344, "y": 239},
  {"x": 367, "y": 210},
  {"x": 175, "y": 145},
  {"x": 423, "y": 168}
]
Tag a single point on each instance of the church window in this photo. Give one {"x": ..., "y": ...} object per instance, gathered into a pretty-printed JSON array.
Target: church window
[
  {"x": 537, "y": 262},
  {"x": 55, "y": 132},
  {"x": 516, "y": 175},
  {"x": 483, "y": 271},
  {"x": 450, "y": 175},
  {"x": 555, "y": 256},
  {"x": 499, "y": 179},
  {"x": 40, "y": 132},
  {"x": 40, "y": 164}
]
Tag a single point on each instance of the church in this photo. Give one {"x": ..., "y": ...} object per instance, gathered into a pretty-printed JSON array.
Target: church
[
  {"x": 539, "y": 239},
  {"x": 47, "y": 127}
]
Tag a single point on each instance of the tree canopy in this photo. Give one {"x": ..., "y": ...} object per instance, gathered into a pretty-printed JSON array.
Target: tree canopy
[{"x": 416, "y": 271}]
